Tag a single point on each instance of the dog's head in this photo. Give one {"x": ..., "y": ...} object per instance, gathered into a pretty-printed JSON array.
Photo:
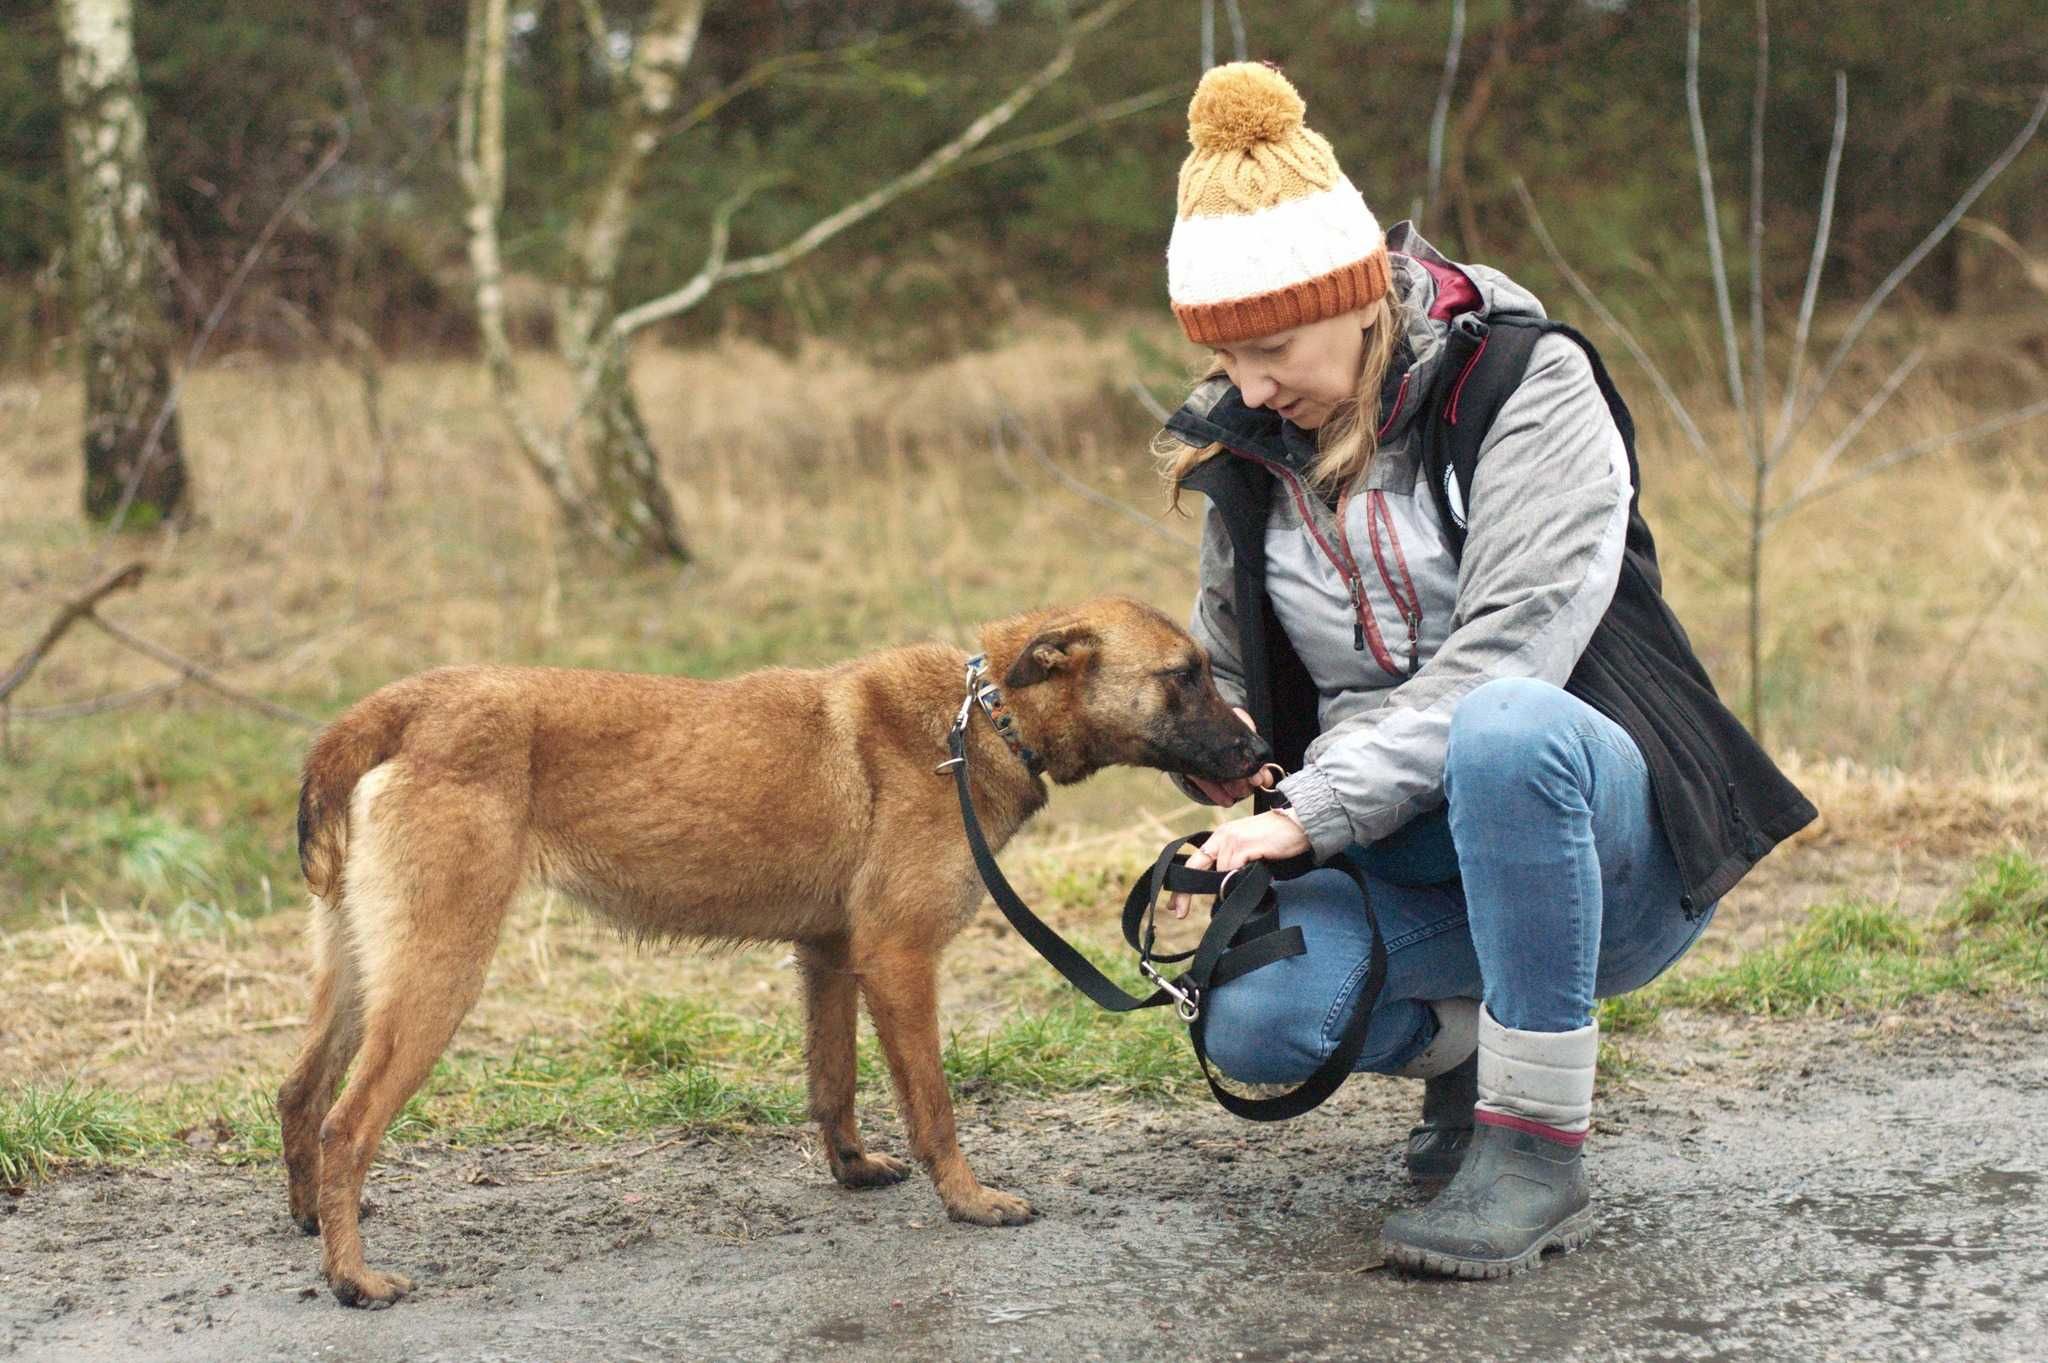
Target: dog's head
[{"x": 1114, "y": 682}]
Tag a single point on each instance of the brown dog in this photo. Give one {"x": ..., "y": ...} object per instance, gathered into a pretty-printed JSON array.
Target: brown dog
[{"x": 777, "y": 806}]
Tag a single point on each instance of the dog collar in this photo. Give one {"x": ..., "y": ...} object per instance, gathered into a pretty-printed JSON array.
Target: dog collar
[{"x": 982, "y": 693}]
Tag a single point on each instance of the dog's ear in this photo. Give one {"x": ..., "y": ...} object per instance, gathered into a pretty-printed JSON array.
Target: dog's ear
[{"x": 1059, "y": 649}]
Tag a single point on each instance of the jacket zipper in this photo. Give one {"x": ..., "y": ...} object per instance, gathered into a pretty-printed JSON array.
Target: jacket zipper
[
  {"x": 1410, "y": 606},
  {"x": 1365, "y": 629}
]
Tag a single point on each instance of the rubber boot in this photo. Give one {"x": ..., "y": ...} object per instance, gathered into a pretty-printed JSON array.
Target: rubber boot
[
  {"x": 1449, "y": 1069},
  {"x": 1436, "y": 1145},
  {"x": 1521, "y": 1189}
]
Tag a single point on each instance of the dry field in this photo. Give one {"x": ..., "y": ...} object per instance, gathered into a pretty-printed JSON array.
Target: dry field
[{"x": 149, "y": 919}]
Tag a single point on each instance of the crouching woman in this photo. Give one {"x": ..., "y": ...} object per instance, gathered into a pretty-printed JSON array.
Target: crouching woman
[{"x": 1466, "y": 666}]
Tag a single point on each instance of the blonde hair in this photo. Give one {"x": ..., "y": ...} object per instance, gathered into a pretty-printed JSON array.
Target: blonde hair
[{"x": 1345, "y": 444}]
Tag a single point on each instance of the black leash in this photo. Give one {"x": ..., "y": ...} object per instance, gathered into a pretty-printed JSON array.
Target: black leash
[{"x": 1244, "y": 934}]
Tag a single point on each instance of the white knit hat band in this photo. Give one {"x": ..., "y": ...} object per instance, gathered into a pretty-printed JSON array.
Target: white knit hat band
[{"x": 1241, "y": 255}]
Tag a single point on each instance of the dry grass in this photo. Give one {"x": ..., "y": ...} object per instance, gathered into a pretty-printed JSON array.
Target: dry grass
[{"x": 835, "y": 508}]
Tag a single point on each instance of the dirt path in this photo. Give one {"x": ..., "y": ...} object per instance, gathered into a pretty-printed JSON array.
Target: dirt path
[{"x": 1796, "y": 1190}]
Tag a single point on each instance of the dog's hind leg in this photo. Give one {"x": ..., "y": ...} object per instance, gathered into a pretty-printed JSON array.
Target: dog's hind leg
[
  {"x": 900, "y": 982},
  {"x": 332, "y": 1038},
  {"x": 428, "y": 892},
  {"x": 832, "y": 1012}
]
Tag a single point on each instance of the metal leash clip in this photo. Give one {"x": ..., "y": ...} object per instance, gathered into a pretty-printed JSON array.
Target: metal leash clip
[{"x": 1186, "y": 1002}]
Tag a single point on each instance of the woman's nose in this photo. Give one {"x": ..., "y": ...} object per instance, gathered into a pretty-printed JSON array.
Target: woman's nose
[{"x": 1257, "y": 391}]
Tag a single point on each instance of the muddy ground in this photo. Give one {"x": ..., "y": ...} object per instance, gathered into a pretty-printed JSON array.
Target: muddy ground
[{"x": 1842, "y": 1190}]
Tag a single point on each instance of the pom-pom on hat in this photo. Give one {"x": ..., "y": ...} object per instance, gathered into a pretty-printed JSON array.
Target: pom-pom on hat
[{"x": 1269, "y": 234}]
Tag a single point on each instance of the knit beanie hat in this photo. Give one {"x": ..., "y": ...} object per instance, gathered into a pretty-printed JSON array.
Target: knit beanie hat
[{"x": 1269, "y": 234}]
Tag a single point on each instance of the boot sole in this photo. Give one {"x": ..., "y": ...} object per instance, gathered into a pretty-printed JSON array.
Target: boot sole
[{"x": 1562, "y": 1238}]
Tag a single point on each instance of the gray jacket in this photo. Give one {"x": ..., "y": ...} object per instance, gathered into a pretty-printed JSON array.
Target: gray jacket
[{"x": 1547, "y": 524}]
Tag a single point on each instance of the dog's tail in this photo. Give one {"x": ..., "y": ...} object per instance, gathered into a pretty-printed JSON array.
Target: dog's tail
[{"x": 366, "y": 735}]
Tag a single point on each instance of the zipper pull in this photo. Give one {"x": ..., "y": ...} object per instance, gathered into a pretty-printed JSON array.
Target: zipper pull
[
  {"x": 1414, "y": 642},
  {"x": 1357, "y": 615}
]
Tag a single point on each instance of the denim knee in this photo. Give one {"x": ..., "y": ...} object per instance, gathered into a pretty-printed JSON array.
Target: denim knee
[
  {"x": 1267, "y": 1040},
  {"x": 1250, "y": 1036},
  {"x": 1506, "y": 730}
]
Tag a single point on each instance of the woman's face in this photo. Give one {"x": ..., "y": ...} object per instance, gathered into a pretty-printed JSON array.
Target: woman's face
[{"x": 1304, "y": 373}]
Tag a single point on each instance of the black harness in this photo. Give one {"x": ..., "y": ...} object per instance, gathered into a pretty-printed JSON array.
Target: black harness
[{"x": 1244, "y": 934}]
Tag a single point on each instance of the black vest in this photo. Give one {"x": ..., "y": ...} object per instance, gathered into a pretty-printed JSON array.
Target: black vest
[{"x": 1722, "y": 800}]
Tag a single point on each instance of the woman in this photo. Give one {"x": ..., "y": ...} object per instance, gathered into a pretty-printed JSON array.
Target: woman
[{"x": 1479, "y": 691}]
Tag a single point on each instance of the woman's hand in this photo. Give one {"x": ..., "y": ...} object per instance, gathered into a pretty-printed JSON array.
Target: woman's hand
[
  {"x": 1228, "y": 793},
  {"x": 1272, "y": 836}
]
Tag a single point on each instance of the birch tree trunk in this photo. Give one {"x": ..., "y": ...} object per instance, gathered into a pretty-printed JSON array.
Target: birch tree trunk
[
  {"x": 131, "y": 433},
  {"x": 600, "y": 464}
]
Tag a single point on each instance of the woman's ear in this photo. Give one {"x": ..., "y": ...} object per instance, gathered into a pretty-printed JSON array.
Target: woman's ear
[{"x": 1059, "y": 649}]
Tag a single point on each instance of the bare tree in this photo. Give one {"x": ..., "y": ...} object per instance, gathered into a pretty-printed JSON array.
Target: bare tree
[
  {"x": 600, "y": 464},
  {"x": 1454, "y": 46},
  {"x": 1770, "y": 445},
  {"x": 134, "y": 464}
]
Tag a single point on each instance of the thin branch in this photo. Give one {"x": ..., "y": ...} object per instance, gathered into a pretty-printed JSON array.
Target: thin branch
[
  {"x": 977, "y": 132},
  {"x": 1937, "y": 698},
  {"x": 205, "y": 676},
  {"x": 1080, "y": 489},
  {"x": 1813, "y": 266},
  {"x": 1918, "y": 448},
  {"x": 1152, "y": 405},
  {"x": 1236, "y": 18},
  {"x": 1453, "y": 47},
  {"x": 1758, "y": 399},
  {"x": 68, "y": 614},
  {"x": 781, "y": 64},
  {"x": 99, "y": 705},
  {"x": 1708, "y": 207},
  {"x": 212, "y": 323},
  {"x": 1208, "y": 34},
  {"x": 1094, "y": 118},
  {"x": 1847, "y": 435},
  {"x": 1811, "y": 399},
  {"x": 1635, "y": 349},
  {"x": 601, "y": 40}
]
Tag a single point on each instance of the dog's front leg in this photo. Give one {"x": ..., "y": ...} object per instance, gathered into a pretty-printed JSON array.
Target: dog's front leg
[
  {"x": 901, "y": 986},
  {"x": 832, "y": 1015}
]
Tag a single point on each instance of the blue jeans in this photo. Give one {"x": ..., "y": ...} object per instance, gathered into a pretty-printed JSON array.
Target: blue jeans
[{"x": 1568, "y": 893}]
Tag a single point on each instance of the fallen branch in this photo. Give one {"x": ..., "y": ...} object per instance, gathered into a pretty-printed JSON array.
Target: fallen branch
[
  {"x": 99, "y": 705},
  {"x": 70, "y": 613},
  {"x": 205, "y": 676}
]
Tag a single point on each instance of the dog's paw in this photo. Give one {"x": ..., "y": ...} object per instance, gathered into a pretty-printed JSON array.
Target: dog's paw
[
  {"x": 987, "y": 1207},
  {"x": 368, "y": 1288},
  {"x": 871, "y": 1171}
]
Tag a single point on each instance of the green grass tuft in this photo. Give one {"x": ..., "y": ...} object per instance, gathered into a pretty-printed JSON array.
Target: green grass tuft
[
  {"x": 2007, "y": 891},
  {"x": 1072, "y": 1045},
  {"x": 41, "y": 1127},
  {"x": 1627, "y": 1014}
]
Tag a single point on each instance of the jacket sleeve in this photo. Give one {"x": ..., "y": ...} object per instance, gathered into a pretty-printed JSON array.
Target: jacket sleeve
[
  {"x": 1213, "y": 622},
  {"x": 1546, "y": 527}
]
